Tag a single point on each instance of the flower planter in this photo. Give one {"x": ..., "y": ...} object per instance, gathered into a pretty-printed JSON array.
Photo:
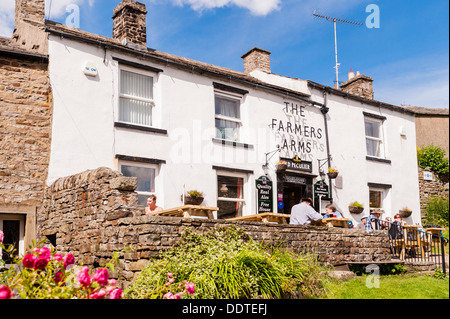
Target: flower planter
[
  {"x": 333, "y": 175},
  {"x": 355, "y": 210},
  {"x": 193, "y": 200},
  {"x": 405, "y": 213},
  {"x": 281, "y": 168}
]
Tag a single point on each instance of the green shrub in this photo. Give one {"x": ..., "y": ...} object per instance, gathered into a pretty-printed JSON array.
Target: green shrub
[
  {"x": 433, "y": 157},
  {"x": 226, "y": 263},
  {"x": 436, "y": 211}
]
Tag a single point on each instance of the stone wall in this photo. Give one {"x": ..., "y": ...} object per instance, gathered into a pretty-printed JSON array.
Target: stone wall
[
  {"x": 93, "y": 214},
  {"x": 435, "y": 187}
]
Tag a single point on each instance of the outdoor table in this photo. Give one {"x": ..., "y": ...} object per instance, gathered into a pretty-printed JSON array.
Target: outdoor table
[
  {"x": 265, "y": 218},
  {"x": 335, "y": 222},
  {"x": 187, "y": 211},
  {"x": 412, "y": 243}
]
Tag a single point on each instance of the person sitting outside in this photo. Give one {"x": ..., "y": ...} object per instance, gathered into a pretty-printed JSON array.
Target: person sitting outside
[
  {"x": 365, "y": 224},
  {"x": 304, "y": 213},
  {"x": 331, "y": 211},
  {"x": 151, "y": 205}
]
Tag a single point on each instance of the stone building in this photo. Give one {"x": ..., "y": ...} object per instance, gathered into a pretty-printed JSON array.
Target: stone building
[
  {"x": 25, "y": 137},
  {"x": 177, "y": 124}
]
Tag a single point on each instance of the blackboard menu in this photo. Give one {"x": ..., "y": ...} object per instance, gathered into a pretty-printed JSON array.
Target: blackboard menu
[{"x": 264, "y": 191}]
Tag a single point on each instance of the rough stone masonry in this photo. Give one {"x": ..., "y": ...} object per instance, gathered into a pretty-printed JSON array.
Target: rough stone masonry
[{"x": 94, "y": 214}]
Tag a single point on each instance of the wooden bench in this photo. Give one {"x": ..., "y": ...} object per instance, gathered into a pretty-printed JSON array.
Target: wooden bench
[
  {"x": 265, "y": 218},
  {"x": 333, "y": 221},
  {"x": 187, "y": 211}
]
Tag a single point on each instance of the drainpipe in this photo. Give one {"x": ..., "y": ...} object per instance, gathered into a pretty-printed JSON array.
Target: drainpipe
[{"x": 324, "y": 109}]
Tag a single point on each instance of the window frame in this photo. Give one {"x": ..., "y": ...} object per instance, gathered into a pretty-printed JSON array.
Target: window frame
[
  {"x": 245, "y": 200},
  {"x": 156, "y": 167},
  {"x": 22, "y": 220},
  {"x": 231, "y": 96},
  {"x": 380, "y": 140},
  {"x": 152, "y": 102},
  {"x": 384, "y": 200}
]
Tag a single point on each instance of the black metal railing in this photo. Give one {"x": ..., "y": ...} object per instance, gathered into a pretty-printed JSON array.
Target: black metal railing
[{"x": 413, "y": 243}]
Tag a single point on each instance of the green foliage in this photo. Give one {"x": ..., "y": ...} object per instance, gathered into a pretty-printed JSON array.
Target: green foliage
[
  {"x": 385, "y": 269},
  {"x": 194, "y": 194},
  {"x": 227, "y": 263},
  {"x": 436, "y": 212},
  {"x": 433, "y": 157},
  {"x": 356, "y": 204}
]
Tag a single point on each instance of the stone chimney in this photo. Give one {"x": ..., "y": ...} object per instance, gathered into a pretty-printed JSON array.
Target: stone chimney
[
  {"x": 29, "y": 31},
  {"x": 256, "y": 59},
  {"x": 129, "y": 25},
  {"x": 360, "y": 85}
]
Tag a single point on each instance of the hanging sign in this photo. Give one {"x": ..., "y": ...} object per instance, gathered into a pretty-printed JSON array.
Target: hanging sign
[
  {"x": 264, "y": 191},
  {"x": 321, "y": 189}
]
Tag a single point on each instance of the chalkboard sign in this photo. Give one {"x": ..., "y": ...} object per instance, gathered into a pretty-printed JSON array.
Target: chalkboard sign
[
  {"x": 264, "y": 188},
  {"x": 321, "y": 189}
]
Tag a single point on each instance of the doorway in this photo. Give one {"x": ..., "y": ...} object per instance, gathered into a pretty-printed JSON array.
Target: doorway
[{"x": 292, "y": 194}]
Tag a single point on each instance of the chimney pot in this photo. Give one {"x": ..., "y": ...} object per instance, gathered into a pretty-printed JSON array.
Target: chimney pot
[
  {"x": 351, "y": 74},
  {"x": 256, "y": 59}
]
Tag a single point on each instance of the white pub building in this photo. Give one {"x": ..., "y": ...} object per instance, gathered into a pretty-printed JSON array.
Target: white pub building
[{"x": 179, "y": 125}]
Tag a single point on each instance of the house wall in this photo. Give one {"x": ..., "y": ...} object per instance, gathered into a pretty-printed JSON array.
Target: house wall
[
  {"x": 85, "y": 137},
  {"x": 433, "y": 130}
]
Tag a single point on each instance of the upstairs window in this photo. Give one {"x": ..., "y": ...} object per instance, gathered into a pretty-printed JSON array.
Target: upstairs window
[
  {"x": 136, "y": 98},
  {"x": 374, "y": 137},
  {"x": 228, "y": 117}
]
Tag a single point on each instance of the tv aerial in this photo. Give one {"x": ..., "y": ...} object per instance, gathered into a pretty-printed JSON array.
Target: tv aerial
[{"x": 335, "y": 20}]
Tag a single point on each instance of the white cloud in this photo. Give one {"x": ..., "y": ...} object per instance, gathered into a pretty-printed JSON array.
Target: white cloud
[
  {"x": 256, "y": 7},
  {"x": 7, "y": 17}
]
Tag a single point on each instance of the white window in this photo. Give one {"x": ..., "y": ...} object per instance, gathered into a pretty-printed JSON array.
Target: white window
[
  {"x": 374, "y": 137},
  {"x": 13, "y": 227},
  {"x": 136, "y": 97},
  {"x": 227, "y": 116},
  {"x": 230, "y": 197},
  {"x": 146, "y": 175}
]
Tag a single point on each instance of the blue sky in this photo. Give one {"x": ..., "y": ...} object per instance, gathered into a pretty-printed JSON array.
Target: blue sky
[{"x": 407, "y": 56}]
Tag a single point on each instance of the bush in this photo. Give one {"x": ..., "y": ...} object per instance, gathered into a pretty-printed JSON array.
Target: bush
[
  {"x": 227, "y": 263},
  {"x": 436, "y": 211},
  {"x": 44, "y": 274},
  {"x": 433, "y": 157}
]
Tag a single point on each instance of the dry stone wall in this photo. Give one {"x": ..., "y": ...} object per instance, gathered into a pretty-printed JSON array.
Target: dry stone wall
[{"x": 94, "y": 214}]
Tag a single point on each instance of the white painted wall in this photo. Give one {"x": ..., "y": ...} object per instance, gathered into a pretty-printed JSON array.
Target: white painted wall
[{"x": 84, "y": 136}]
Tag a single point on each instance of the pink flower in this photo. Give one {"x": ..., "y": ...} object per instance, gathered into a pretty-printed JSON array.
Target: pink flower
[
  {"x": 168, "y": 295},
  {"x": 2, "y": 236},
  {"x": 178, "y": 296},
  {"x": 58, "y": 257},
  {"x": 59, "y": 276},
  {"x": 45, "y": 253},
  {"x": 112, "y": 282},
  {"x": 83, "y": 277},
  {"x": 101, "y": 276},
  {"x": 171, "y": 281},
  {"x": 116, "y": 294},
  {"x": 169, "y": 274},
  {"x": 69, "y": 259},
  {"x": 28, "y": 260},
  {"x": 40, "y": 263},
  {"x": 190, "y": 287},
  {"x": 98, "y": 295},
  {"x": 5, "y": 292}
]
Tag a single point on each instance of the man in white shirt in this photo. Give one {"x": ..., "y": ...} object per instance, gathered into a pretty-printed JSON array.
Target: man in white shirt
[{"x": 304, "y": 213}]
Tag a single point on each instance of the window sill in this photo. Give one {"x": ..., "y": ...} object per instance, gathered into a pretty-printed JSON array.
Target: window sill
[
  {"x": 377, "y": 159},
  {"x": 140, "y": 128},
  {"x": 232, "y": 143}
]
